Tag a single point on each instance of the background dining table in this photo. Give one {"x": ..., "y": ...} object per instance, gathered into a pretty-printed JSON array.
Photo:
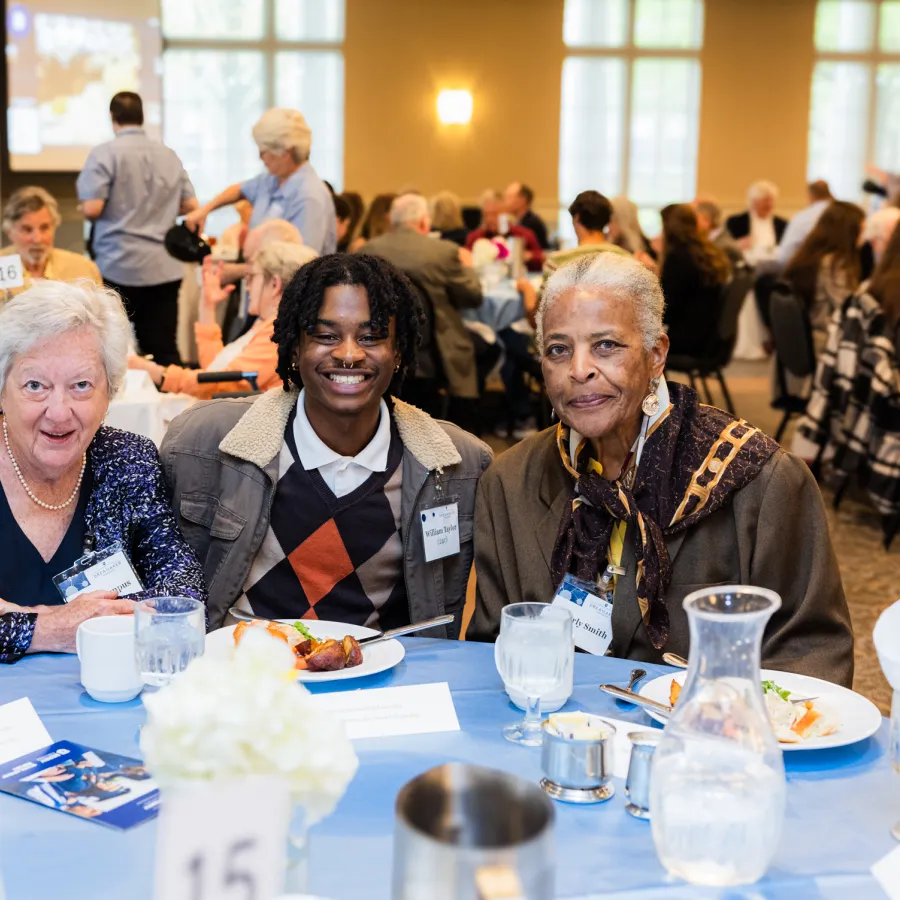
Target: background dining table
[{"x": 841, "y": 803}]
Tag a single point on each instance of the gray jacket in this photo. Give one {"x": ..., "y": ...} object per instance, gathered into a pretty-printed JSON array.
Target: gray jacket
[
  {"x": 451, "y": 286},
  {"x": 221, "y": 461}
]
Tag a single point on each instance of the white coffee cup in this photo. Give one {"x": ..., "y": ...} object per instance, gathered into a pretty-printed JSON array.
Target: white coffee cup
[{"x": 105, "y": 648}]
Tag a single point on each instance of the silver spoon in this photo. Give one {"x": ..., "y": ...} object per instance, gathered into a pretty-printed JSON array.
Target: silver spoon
[
  {"x": 673, "y": 659},
  {"x": 636, "y": 676}
]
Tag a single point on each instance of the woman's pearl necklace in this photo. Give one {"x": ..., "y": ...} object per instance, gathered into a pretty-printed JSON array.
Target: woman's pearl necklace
[{"x": 28, "y": 490}]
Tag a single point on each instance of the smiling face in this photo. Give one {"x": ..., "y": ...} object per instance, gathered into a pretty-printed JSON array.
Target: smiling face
[
  {"x": 596, "y": 369},
  {"x": 54, "y": 399},
  {"x": 346, "y": 365},
  {"x": 32, "y": 235}
]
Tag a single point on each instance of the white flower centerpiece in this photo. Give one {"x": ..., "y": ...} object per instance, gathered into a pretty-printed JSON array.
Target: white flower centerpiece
[{"x": 247, "y": 716}]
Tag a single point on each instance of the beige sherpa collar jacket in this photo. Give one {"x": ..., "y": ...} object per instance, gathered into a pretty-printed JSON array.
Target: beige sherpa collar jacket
[{"x": 221, "y": 462}]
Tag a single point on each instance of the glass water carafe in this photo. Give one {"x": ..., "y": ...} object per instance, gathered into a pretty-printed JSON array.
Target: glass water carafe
[{"x": 717, "y": 789}]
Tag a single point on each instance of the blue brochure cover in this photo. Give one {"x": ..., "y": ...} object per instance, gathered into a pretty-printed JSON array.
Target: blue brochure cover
[{"x": 91, "y": 784}]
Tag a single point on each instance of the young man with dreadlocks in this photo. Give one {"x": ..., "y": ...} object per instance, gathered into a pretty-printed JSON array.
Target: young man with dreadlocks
[{"x": 326, "y": 498}]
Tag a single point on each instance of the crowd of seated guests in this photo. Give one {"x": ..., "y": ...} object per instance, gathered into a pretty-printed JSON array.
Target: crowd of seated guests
[{"x": 345, "y": 304}]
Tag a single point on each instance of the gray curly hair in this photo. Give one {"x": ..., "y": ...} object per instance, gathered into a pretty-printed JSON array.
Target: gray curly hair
[{"x": 620, "y": 275}]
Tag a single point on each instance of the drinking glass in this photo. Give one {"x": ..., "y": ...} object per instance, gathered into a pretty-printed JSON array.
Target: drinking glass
[
  {"x": 168, "y": 633},
  {"x": 532, "y": 653},
  {"x": 886, "y": 638}
]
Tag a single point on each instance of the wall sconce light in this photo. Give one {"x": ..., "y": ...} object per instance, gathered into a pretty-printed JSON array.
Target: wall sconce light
[{"x": 454, "y": 107}]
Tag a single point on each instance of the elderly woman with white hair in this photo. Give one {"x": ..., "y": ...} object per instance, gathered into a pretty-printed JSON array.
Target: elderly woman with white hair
[
  {"x": 289, "y": 189},
  {"x": 645, "y": 494},
  {"x": 67, "y": 484}
]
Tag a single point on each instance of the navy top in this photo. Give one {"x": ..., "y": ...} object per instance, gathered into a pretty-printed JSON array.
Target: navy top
[
  {"x": 25, "y": 579},
  {"x": 126, "y": 501}
]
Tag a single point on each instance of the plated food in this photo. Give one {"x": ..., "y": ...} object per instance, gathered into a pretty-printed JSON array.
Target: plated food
[
  {"x": 853, "y": 716},
  {"x": 325, "y": 655},
  {"x": 379, "y": 656},
  {"x": 792, "y": 721}
]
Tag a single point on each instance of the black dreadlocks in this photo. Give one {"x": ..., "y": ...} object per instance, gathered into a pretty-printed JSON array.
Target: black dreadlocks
[{"x": 390, "y": 295}]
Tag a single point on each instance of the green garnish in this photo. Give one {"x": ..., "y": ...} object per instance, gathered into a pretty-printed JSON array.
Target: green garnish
[
  {"x": 771, "y": 686},
  {"x": 303, "y": 630}
]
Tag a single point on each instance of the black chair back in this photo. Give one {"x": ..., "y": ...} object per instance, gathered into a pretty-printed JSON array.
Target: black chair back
[
  {"x": 428, "y": 360},
  {"x": 791, "y": 331}
]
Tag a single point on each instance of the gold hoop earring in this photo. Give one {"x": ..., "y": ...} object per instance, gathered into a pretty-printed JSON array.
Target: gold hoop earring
[{"x": 650, "y": 406}]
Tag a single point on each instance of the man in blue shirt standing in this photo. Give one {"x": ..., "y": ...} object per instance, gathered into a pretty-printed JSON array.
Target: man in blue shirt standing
[
  {"x": 289, "y": 189},
  {"x": 133, "y": 188}
]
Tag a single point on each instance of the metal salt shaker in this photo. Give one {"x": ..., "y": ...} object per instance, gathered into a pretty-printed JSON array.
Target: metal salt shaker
[{"x": 637, "y": 785}]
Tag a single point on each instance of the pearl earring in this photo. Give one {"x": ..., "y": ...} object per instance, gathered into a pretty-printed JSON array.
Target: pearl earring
[{"x": 650, "y": 406}]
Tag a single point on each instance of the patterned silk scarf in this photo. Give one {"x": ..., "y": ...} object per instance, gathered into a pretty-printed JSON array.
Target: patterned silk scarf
[{"x": 691, "y": 464}]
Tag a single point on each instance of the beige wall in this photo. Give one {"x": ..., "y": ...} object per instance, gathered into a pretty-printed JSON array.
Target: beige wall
[
  {"x": 754, "y": 115},
  {"x": 757, "y": 64},
  {"x": 400, "y": 53}
]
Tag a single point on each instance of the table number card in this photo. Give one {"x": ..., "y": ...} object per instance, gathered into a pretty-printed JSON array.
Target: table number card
[
  {"x": 11, "y": 273},
  {"x": 223, "y": 840}
]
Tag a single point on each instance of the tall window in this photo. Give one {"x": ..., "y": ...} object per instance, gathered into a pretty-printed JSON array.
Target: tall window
[
  {"x": 630, "y": 102},
  {"x": 855, "y": 114},
  {"x": 226, "y": 61}
]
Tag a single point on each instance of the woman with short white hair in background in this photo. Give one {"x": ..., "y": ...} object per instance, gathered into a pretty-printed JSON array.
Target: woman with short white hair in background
[
  {"x": 289, "y": 189},
  {"x": 67, "y": 484}
]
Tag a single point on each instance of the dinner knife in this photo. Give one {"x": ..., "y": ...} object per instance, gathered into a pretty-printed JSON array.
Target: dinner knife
[
  {"x": 632, "y": 697},
  {"x": 242, "y": 615},
  {"x": 406, "y": 629}
]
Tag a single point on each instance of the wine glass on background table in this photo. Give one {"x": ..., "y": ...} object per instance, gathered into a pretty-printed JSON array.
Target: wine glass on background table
[
  {"x": 168, "y": 633},
  {"x": 532, "y": 653},
  {"x": 887, "y": 644}
]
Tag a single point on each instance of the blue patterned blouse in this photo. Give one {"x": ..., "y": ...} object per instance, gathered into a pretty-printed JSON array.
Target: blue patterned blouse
[{"x": 128, "y": 503}]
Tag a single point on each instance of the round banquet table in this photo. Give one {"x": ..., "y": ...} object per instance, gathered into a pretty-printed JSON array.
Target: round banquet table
[
  {"x": 841, "y": 803},
  {"x": 501, "y": 305}
]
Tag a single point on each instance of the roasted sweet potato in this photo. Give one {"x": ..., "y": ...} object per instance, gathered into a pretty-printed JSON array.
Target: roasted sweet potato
[
  {"x": 352, "y": 651},
  {"x": 327, "y": 657}
]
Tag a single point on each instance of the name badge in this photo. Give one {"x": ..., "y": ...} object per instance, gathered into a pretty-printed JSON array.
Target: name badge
[
  {"x": 106, "y": 570},
  {"x": 440, "y": 530},
  {"x": 591, "y": 614}
]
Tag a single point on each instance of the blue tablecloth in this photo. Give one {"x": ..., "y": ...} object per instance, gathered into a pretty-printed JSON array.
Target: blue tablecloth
[
  {"x": 841, "y": 803},
  {"x": 502, "y": 305}
]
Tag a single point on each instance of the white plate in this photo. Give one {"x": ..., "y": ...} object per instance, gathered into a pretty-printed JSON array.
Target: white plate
[
  {"x": 858, "y": 716},
  {"x": 378, "y": 658}
]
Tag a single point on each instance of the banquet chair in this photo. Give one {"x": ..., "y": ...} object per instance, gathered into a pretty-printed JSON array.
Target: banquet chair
[
  {"x": 718, "y": 354},
  {"x": 794, "y": 352},
  {"x": 213, "y": 377}
]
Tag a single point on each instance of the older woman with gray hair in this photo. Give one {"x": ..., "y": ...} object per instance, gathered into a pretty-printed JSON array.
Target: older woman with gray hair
[
  {"x": 644, "y": 494},
  {"x": 289, "y": 189},
  {"x": 67, "y": 484}
]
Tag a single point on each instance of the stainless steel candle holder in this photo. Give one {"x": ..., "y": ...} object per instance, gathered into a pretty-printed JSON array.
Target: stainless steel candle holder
[
  {"x": 637, "y": 785},
  {"x": 576, "y": 771}
]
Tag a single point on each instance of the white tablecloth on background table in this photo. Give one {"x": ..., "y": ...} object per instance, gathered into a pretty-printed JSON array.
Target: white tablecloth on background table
[{"x": 141, "y": 408}]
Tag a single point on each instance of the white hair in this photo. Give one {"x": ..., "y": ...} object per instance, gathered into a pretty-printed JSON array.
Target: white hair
[
  {"x": 51, "y": 308},
  {"x": 281, "y": 130},
  {"x": 625, "y": 215},
  {"x": 489, "y": 196},
  {"x": 880, "y": 224},
  {"x": 613, "y": 273},
  {"x": 759, "y": 190},
  {"x": 408, "y": 209},
  {"x": 282, "y": 259}
]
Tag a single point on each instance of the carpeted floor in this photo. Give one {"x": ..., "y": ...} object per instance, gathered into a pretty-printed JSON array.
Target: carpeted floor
[{"x": 871, "y": 576}]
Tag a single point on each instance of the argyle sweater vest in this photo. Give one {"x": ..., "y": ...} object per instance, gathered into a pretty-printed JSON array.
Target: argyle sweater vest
[{"x": 328, "y": 557}]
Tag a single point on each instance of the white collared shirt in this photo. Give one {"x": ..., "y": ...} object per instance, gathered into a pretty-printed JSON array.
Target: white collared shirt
[
  {"x": 762, "y": 232},
  {"x": 342, "y": 474}
]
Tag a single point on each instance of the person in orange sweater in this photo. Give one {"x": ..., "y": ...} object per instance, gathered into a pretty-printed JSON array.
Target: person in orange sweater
[{"x": 268, "y": 274}]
